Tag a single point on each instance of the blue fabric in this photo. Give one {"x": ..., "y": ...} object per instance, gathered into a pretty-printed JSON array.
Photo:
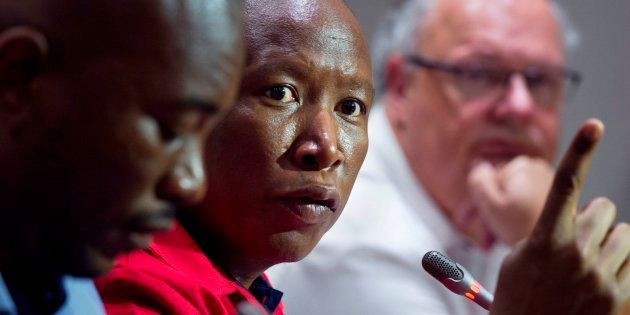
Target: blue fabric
[
  {"x": 82, "y": 298},
  {"x": 6, "y": 302}
]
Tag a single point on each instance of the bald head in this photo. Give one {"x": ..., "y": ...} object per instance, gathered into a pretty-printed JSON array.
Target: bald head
[
  {"x": 282, "y": 23},
  {"x": 78, "y": 30},
  {"x": 454, "y": 22},
  {"x": 104, "y": 106}
]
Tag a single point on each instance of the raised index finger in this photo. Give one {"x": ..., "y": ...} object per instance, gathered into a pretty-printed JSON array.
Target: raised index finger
[{"x": 557, "y": 220}]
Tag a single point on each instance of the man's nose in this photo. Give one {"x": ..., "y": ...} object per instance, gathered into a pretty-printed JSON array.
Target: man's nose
[
  {"x": 317, "y": 147},
  {"x": 185, "y": 181},
  {"x": 518, "y": 101}
]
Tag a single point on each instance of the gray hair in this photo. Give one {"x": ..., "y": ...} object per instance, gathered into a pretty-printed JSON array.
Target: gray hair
[{"x": 398, "y": 33}]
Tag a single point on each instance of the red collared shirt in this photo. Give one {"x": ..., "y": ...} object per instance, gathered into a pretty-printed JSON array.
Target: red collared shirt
[{"x": 174, "y": 276}]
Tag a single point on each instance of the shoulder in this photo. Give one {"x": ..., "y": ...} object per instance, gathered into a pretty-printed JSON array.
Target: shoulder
[{"x": 141, "y": 283}]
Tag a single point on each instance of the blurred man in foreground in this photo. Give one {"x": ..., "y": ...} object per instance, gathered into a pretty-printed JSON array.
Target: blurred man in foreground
[
  {"x": 104, "y": 110},
  {"x": 461, "y": 147}
]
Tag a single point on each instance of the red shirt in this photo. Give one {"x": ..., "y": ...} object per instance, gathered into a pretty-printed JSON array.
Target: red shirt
[{"x": 174, "y": 276}]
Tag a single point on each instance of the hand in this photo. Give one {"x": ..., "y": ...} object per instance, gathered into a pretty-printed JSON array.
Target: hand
[
  {"x": 571, "y": 264},
  {"x": 509, "y": 198}
]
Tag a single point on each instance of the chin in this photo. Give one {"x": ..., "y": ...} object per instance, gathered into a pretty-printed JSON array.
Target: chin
[
  {"x": 292, "y": 246},
  {"x": 90, "y": 263}
]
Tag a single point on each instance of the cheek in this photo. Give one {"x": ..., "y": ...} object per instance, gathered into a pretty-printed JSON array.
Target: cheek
[
  {"x": 471, "y": 119},
  {"x": 549, "y": 125},
  {"x": 354, "y": 143},
  {"x": 245, "y": 145}
]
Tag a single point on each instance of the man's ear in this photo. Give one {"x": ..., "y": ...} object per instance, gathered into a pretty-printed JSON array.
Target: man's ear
[
  {"x": 396, "y": 75},
  {"x": 23, "y": 51},
  {"x": 397, "y": 78}
]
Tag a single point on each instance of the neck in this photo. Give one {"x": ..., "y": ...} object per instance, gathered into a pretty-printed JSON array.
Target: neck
[{"x": 224, "y": 254}]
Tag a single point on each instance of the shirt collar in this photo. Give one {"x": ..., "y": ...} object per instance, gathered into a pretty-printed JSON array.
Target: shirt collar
[{"x": 267, "y": 296}]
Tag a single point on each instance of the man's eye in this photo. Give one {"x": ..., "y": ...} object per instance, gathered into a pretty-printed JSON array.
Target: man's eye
[
  {"x": 167, "y": 133},
  {"x": 351, "y": 108},
  {"x": 282, "y": 93}
]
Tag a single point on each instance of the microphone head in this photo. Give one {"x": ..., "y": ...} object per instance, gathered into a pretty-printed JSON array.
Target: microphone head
[{"x": 441, "y": 267}]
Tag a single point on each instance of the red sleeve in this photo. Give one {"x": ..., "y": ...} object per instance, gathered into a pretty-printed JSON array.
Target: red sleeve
[{"x": 128, "y": 291}]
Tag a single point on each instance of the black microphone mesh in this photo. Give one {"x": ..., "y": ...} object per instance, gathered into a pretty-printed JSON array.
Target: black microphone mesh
[{"x": 440, "y": 266}]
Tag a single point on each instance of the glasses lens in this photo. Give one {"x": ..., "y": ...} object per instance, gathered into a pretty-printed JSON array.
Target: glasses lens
[
  {"x": 546, "y": 87},
  {"x": 477, "y": 83},
  {"x": 550, "y": 87}
]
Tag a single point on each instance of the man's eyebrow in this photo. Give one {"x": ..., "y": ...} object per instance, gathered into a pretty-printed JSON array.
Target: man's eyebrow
[
  {"x": 358, "y": 84},
  {"x": 200, "y": 105},
  {"x": 292, "y": 68},
  {"x": 363, "y": 86}
]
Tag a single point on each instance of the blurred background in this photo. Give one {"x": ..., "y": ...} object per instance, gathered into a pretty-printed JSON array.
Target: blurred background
[{"x": 603, "y": 58}]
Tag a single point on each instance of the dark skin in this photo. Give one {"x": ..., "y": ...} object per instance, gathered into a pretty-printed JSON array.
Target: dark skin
[
  {"x": 575, "y": 262},
  {"x": 103, "y": 123},
  {"x": 291, "y": 147}
]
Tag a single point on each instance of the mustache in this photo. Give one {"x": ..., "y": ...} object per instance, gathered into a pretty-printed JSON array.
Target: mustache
[
  {"x": 155, "y": 218},
  {"x": 530, "y": 138}
]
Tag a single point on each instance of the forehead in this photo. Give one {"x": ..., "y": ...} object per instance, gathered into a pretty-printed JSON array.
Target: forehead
[
  {"x": 205, "y": 34},
  {"x": 189, "y": 44},
  {"x": 210, "y": 43},
  {"x": 318, "y": 33},
  {"x": 511, "y": 30}
]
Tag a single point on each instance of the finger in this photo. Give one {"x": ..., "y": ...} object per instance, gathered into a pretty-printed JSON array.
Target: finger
[
  {"x": 484, "y": 185},
  {"x": 523, "y": 166},
  {"x": 593, "y": 224},
  {"x": 518, "y": 164},
  {"x": 556, "y": 222},
  {"x": 624, "y": 279},
  {"x": 614, "y": 252}
]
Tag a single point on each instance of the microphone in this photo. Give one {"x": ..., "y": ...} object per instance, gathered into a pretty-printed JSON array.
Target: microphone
[{"x": 456, "y": 278}]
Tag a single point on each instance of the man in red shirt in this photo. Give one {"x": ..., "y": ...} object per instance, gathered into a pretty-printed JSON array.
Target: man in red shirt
[{"x": 281, "y": 166}]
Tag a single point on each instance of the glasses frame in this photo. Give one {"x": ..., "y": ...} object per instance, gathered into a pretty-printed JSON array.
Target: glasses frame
[{"x": 573, "y": 77}]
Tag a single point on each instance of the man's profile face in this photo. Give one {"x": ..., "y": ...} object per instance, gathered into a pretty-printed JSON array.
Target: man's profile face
[
  {"x": 123, "y": 131},
  {"x": 445, "y": 133},
  {"x": 284, "y": 160}
]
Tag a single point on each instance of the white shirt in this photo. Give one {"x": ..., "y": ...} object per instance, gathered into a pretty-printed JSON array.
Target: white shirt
[{"x": 370, "y": 261}]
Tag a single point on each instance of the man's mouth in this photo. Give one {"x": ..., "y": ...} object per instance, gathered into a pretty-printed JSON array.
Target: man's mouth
[
  {"x": 152, "y": 221},
  {"x": 312, "y": 204},
  {"x": 500, "y": 151},
  {"x": 138, "y": 231}
]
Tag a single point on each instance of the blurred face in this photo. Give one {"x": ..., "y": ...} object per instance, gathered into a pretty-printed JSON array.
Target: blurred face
[
  {"x": 446, "y": 126},
  {"x": 124, "y": 135},
  {"x": 284, "y": 160}
]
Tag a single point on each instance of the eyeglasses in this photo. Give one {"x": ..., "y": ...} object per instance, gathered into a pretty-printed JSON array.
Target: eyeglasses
[{"x": 548, "y": 86}]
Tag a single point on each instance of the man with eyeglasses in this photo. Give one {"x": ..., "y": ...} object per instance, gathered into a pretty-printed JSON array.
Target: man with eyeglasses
[{"x": 461, "y": 147}]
